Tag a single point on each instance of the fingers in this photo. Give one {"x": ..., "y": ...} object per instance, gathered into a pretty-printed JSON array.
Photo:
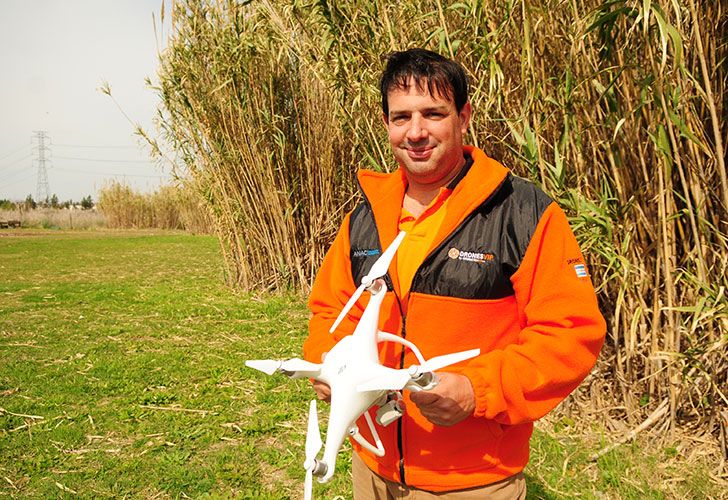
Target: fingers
[
  {"x": 450, "y": 402},
  {"x": 322, "y": 390},
  {"x": 424, "y": 398}
]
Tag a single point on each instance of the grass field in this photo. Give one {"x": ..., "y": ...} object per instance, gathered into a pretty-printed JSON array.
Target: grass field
[{"x": 121, "y": 375}]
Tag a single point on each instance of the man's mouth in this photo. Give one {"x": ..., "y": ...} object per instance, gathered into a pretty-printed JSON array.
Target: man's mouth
[{"x": 419, "y": 153}]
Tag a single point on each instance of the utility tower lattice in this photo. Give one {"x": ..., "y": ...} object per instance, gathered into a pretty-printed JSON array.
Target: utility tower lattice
[{"x": 41, "y": 140}]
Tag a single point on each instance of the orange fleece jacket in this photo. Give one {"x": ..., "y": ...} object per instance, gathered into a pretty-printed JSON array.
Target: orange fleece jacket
[{"x": 536, "y": 345}]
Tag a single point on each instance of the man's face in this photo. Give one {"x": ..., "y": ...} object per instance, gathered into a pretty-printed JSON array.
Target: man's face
[{"x": 426, "y": 133}]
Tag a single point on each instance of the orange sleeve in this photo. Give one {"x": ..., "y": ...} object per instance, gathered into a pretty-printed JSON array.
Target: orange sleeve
[
  {"x": 331, "y": 290},
  {"x": 561, "y": 336}
]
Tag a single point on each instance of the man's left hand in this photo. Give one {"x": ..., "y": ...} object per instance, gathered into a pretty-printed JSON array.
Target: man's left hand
[{"x": 450, "y": 402}]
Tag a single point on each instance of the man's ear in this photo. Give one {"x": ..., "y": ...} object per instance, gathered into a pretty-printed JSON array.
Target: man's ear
[{"x": 465, "y": 114}]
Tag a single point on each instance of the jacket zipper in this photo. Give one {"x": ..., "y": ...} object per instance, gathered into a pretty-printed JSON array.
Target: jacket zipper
[
  {"x": 390, "y": 286},
  {"x": 400, "y": 439}
]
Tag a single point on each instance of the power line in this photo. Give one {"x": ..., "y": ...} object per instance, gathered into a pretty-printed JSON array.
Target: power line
[
  {"x": 101, "y": 160},
  {"x": 57, "y": 169},
  {"x": 12, "y": 153},
  {"x": 13, "y": 174},
  {"x": 12, "y": 163},
  {"x": 17, "y": 181},
  {"x": 92, "y": 146}
]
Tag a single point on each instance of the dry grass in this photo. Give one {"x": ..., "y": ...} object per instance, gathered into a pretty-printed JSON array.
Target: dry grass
[
  {"x": 616, "y": 108},
  {"x": 56, "y": 218}
]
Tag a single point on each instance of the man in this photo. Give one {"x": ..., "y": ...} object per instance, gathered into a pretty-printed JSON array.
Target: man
[{"x": 488, "y": 262}]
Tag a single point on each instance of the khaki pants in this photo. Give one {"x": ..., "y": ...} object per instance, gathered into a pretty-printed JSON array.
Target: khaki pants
[{"x": 369, "y": 486}]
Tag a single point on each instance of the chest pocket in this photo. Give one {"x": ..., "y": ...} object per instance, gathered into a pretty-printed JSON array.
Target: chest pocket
[
  {"x": 469, "y": 265},
  {"x": 479, "y": 258}
]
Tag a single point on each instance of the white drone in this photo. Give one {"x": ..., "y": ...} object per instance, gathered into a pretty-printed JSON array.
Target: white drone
[{"x": 357, "y": 379}]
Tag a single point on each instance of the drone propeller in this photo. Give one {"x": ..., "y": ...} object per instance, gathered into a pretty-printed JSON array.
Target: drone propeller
[
  {"x": 439, "y": 362},
  {"x": 299, "y": 365},
  {"x": 270, "y": 366},
  {"x": 379, "y": 269},
  {"x": 394, "y": 381},
  {"x": 267, "y": 366},
  {"x": 313, "y": 445},
  {"x": 398, "y": 379}
]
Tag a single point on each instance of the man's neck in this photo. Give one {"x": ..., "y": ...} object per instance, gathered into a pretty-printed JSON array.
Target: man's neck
[{"x": 419, "y": 196}]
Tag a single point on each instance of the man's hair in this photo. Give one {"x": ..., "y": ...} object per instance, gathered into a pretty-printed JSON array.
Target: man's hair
[{"x": 429, "y": 70}]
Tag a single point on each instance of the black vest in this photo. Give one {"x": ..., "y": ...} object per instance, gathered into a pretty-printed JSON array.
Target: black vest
[{"x": 478, "y": 258}]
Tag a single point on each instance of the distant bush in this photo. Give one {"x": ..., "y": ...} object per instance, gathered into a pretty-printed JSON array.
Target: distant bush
[{"x": 7, "y": 205}]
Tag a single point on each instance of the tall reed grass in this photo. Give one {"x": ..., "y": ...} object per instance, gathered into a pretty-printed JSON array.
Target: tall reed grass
[
  {"x": 170, "y": 207},
  {"x": 615, "y": 107}
]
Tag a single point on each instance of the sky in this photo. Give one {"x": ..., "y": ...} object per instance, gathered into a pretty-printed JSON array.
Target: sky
[{"x": 54, "y": 55}]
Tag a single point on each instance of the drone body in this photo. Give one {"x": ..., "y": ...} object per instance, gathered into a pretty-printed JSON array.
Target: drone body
[{"x": 357, "y": 379}]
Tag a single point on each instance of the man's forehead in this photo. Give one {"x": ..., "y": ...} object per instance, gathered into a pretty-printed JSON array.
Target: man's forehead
[{"x": 423, "y": 86}]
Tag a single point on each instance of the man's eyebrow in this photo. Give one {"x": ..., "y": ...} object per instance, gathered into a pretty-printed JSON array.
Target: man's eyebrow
[
  {"x": 436, "y": 108},
  {"x": 441, "y": 108}
]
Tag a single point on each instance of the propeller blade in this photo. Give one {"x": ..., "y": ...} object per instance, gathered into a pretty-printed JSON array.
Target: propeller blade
[
  {"x": 349, "y": 305},
  {"x": 299, "y": 365},
  {"x": 308, "y": 485},
  {"x": 378, "y": 269},
  {"x": 438, "y": 362},
  {"x": 313, "y": 445},
  {"x": 267, "y": 366},
  {"x": 381, "y": 266},
  {"x": 394, "y": 381},
  {"x": 313, "y": 435}
]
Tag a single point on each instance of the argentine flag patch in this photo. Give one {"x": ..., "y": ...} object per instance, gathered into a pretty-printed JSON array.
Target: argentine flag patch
[{"x": 580, "y": 270}]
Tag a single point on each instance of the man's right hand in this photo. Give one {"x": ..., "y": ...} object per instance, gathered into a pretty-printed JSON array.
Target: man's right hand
[{"x": 323, "y": 391}]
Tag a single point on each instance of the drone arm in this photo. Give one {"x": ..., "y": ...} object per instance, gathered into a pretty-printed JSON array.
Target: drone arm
[
  {"x": 388, "y": 337},
  {"x": 299, "y": 368},
  {"x": 377, "y": 450}
]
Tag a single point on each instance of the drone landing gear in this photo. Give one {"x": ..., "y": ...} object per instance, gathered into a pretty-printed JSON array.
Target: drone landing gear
[{"x": 354, "y": 432}]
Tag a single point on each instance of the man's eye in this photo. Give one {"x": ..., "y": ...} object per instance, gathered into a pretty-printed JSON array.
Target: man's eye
[{"x": 399, "y": 119}]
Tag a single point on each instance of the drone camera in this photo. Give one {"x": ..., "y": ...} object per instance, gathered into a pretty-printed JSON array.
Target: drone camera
[{"x": 389, "y": 412}]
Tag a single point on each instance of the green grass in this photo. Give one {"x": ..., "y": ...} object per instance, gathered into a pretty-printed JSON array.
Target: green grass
[{"x": 121, "y": 375}]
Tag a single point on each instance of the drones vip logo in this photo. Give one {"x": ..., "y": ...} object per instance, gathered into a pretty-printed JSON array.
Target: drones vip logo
[{"x": 479, "y": 257}]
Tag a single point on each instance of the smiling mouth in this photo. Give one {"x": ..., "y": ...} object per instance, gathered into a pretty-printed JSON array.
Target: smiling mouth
[{"x": 419, "y": 153}]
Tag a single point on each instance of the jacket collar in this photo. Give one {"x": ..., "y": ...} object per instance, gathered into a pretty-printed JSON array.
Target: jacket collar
[{"x": 385, "y": 193}]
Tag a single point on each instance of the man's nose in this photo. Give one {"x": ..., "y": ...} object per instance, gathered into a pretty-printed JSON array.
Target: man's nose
[{"x": 417, "y": 130}]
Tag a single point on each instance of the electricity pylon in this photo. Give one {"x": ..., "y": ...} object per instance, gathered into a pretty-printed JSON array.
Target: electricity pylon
[{"x": 43, "y": 192}]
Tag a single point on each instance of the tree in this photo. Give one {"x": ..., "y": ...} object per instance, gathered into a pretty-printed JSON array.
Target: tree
[
  {"x": 30, "y": 203},
  {"x": 54, "y": 201},
  {"x": 87, "y": 203}
]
